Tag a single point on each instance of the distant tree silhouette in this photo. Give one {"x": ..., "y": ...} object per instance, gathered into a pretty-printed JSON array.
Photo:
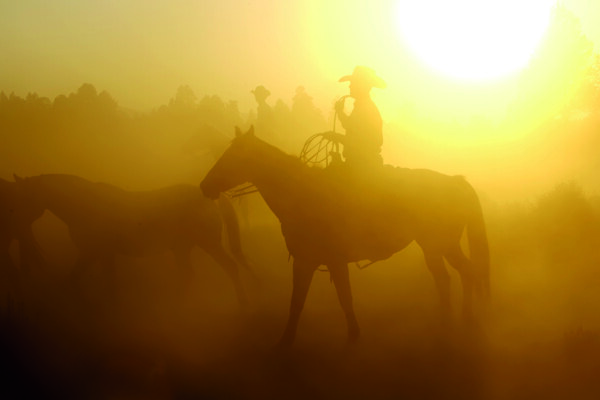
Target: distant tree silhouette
[
  {"x": 86, "y": 110},
  {"x": 184, "y": 98},
  {"x": 214, "y": 111},
  {"x": 87, "y": 132},
  {"x": 207, "y": 142}
]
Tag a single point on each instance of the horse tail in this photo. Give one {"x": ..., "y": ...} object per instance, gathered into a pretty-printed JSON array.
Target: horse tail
[
  {"x": 232, "y": 227},
  {"x": 478, "y": 242}
]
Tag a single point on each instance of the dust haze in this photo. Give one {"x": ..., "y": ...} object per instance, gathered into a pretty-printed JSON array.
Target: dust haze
[{"x": 152, "y": 331}]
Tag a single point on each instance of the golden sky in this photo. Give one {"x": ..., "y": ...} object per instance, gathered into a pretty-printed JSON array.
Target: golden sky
[{"x": 141, "y": 51}]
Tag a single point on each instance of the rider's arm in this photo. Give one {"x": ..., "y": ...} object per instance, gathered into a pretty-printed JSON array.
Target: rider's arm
[
  {"x": 334, "y": 137},
  {"x": 339, "y": 110}
]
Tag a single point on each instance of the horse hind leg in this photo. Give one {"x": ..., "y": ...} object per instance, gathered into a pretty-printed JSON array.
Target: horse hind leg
[
  {"x": 435, "y": 264},
  {"x": 457, "y": 258}
]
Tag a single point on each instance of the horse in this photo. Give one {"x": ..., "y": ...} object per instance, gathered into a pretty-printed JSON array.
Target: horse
[
  {"x": 208, "y": 143},
  {"x": 17, "y": 214},
  {"x": 105, "y": 221},
  {"x": 332, "y": 217}
]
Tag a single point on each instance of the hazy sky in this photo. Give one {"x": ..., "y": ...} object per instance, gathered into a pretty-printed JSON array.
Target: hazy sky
[{"x": 140, "y": 51}]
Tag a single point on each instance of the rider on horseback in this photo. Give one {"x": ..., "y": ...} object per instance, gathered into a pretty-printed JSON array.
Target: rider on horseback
[{"x": 363, "y": 139}]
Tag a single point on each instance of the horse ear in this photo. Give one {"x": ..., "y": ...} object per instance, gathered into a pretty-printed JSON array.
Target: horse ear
[
  {"x": 250, "y": 131},
  {"x": 238, "y": 132},
  {"x": 17, "y": 178}
]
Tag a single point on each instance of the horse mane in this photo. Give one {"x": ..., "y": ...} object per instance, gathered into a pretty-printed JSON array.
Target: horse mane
[
  {"x": 332, "y": 179},
  {"x": 288, "y": 161}
]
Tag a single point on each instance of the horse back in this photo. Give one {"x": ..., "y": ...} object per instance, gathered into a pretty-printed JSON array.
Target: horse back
[
  {"x": 376, "y": 214},
  {"x": 135, "y": 222}
]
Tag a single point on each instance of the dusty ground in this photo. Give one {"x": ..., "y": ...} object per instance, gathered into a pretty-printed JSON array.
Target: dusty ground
[{"x": 154, "y": 340}]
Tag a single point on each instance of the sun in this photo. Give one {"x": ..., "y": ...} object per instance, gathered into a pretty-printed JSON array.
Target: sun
[{"x": 473, "y": 40}]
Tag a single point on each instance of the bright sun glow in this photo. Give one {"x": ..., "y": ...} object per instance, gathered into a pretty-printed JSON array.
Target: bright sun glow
[{"x": 474, "y": 39}]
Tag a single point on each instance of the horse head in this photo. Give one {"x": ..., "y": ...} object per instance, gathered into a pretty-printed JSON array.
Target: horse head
[{"x": 232, "y": 168}]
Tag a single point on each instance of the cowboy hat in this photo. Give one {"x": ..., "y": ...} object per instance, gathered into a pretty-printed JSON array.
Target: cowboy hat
[
  {"x": 261, "y": 91},
  {"x": 364, "y": 75}
]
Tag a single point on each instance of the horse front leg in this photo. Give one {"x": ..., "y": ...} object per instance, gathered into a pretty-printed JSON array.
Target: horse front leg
[
  {"x": 302, "y": 277},
  {"x": 341, "y": 279},
  {"x": 218, "y": 253}
]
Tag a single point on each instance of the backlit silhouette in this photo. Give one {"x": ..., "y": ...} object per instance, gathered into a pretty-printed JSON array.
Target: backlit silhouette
[
  {"x": 105, "y": 221},
  {"x": 264, "y": 111},
  {"x": 209, "y": 143},
  {"x": 328, "y": 219},
  {"x": 364, "y": 138},
  {"x": 17, "y": 214}
]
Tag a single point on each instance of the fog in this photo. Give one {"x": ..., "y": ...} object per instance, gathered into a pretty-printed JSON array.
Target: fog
[
  {"x": 140, "y": 326},
  {"x": 150, "y": 339}
]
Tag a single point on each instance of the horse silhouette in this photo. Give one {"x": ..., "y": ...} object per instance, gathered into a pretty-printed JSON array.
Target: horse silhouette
[
  {"x": 208, "y": 143},
  {"x": 105, "y": 221},
  {"x": 17, "y": 214},
  {"x": 332, "y": 218}
]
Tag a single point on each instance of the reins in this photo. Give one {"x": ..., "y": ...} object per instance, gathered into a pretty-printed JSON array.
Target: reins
[{"x": 242, "y": 190}]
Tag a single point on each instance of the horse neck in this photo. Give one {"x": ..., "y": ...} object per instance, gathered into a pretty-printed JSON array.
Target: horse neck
[
  {"x": 280, "y": 179},
  {"x": 62, "y": 196}
]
